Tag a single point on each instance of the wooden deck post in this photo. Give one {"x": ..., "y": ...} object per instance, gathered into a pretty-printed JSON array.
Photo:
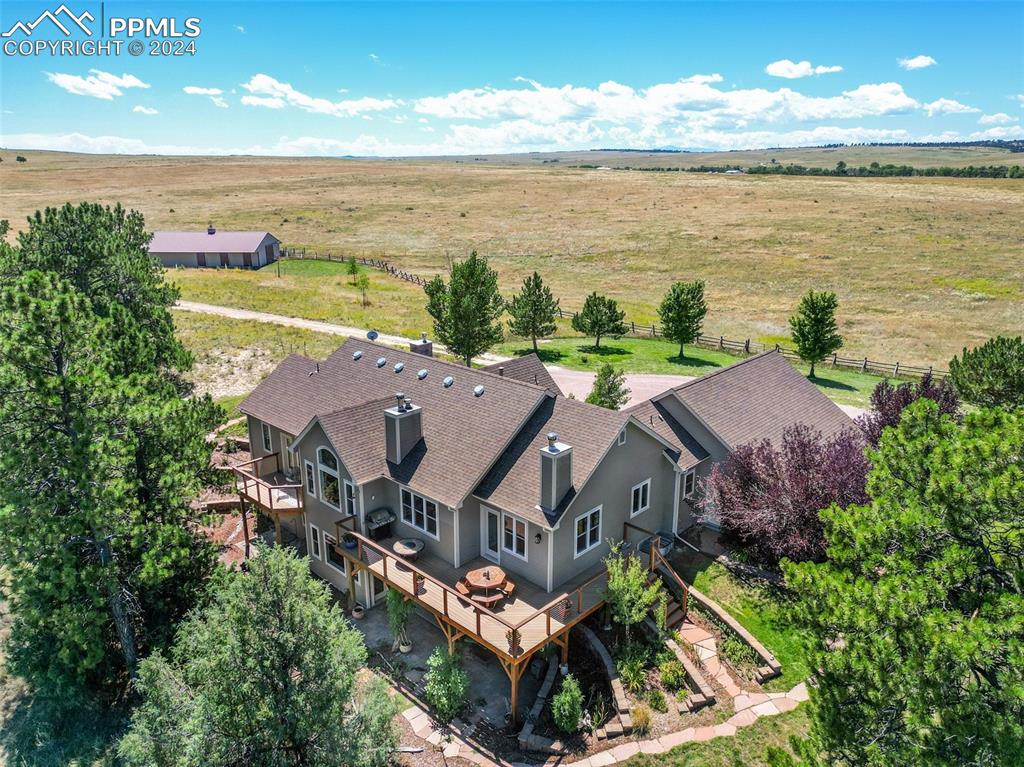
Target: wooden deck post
[
  {"x": 245, "y": 524},
  {"x": 277, "y": 530}
]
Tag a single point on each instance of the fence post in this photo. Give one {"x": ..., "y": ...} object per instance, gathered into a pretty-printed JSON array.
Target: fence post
[
  {"x": 835, "y": 356},
  {"x": 746, "y": 346},
  {"x": 778, "y": 348},
  {"x": 634, "y": 327},
  {"x": 864, "y": 367},
  {"x": 896, "y": 370}
]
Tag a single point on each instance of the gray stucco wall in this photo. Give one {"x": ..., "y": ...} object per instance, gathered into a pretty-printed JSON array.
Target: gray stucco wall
[
  {"x": 534, "y": 568},
  {"x": 610, "y": 487}
]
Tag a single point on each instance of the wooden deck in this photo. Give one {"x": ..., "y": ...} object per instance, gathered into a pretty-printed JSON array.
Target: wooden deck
[
  {"x": 262, "y": 483},
  {"x": 538, "y": 616}
]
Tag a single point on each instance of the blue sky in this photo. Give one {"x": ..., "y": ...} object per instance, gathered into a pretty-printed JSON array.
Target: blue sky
[{"x": 424, "y": 78}]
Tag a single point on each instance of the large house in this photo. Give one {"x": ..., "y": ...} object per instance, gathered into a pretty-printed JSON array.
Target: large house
[
  {"x": 398, "y": 469},
  {"x": 245, "y": 250}
]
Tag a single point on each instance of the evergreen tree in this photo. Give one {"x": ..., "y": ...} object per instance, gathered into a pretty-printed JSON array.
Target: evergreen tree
[
  {"x": 100, "y": 548},
  {"x": 682, "y": 313},
  {"x": 266, "y": 674},
  {"x": 533, "y": 310},
  {"x": 814, "y": 327},
  {"x": 609, "y": 389},
  {"x": 991, "y": 375},
  {"x": 916, "y": 621},
  {"x": 467, "y": 310},
  {"x": 600, "y": 316}
]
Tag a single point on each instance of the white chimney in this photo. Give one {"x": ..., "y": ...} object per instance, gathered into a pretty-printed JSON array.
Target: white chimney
[
  {"x": 403, "y": 428},
  {"x": 555, "y": 472}
]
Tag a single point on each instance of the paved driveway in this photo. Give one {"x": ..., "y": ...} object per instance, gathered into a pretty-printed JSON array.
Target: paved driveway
[{"x": 642, "y": 386}]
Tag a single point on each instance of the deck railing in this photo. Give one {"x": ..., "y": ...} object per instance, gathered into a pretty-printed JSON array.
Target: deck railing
[
  {"x": 467, "y": 614},
  {"x": 249, "y": 482},
  {"x": 656, "y": 561}
]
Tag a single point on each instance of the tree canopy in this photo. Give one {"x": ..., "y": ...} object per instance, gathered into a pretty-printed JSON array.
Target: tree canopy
[
  {"x": 609, "y": 390},
  {"x": 533, "y": 310},
  {"x": 467, "y": 309},
  {"x": 814, "y": 327},
  {"x": 888, "y": 403},
  {"x": 599, "y": 317},
  {"x": 991, "y": 375},
  {"x": 682, "y": 313},
  {"x": 917, "y": 617},
  {"x": 266, "y": 674}
]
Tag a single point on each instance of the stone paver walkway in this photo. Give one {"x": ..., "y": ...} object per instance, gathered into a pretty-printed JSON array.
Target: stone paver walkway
[{"x": 706, "y": 647}]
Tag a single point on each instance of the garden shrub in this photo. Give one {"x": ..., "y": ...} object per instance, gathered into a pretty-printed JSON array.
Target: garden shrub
[
  {"x": 641, "y": 719},
  {"x": 631, "y": 665},
  {"x": 656, "y": 700},
  {"x": 673, "y": 674},
  {"x": 738, "y": 652},
  {"x": 567, "y": 706},
  {"x": 447, "y": 685}
]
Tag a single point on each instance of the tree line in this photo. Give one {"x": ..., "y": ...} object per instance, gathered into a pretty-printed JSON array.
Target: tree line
[{"x": 842, "y": 169}]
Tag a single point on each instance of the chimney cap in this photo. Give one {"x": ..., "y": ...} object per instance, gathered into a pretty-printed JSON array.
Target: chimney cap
[{"x": 552, "y": 438}]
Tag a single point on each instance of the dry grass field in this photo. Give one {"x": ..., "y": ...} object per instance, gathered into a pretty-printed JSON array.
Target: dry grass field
[{"x": 922, "y": 266}]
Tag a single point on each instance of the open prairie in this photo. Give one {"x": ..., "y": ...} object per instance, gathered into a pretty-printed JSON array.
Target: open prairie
[{"x": 922, "y": 266}]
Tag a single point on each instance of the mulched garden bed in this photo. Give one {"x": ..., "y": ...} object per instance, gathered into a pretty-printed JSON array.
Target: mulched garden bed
[{"x": 598, "y": 704}]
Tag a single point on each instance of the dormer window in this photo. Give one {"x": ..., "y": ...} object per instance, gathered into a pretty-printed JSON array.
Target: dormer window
[{"x": 327, "y": 464}]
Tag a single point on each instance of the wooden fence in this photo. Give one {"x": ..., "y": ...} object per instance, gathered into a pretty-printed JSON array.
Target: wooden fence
[{"x": 747, "y": 346}]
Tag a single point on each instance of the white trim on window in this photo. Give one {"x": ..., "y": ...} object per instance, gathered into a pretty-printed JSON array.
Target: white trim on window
[
  {"x": 287, "y": 456},
  {"x": 315, "y": 549},
  {"x": 419, "y": 512},
  {"x": 329, "y": 543},
  {"x": 326, "y": 471},
  {"x": 310, "y": 479},
  {"x": 690, "y": 483},
  {"x": 591, "y": 534},
  {"x": 350, "y": 498},
  {"x": 640, "y": 498},
  {"x": 268, "y": 443},
  {"x": 622, "y": 437},
  {"x": 511, "y": 534}
]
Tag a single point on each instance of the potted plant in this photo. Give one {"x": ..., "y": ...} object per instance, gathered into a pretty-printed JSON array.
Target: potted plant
[
  {"x": 348, "y": 541},
  {"x": 358, "y": 612},
  {"x": 417, "y": 583},
  {"x": 513, "y": 637},
  {"x": 562, "y": 609},
  {"x": 399, "y": 610}
]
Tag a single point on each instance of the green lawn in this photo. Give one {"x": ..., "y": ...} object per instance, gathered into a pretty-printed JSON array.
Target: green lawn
[
  {"x": 654, "y": 355},
  {"x": 745, "y": 749},
  {"x": 760, "y": 609}
]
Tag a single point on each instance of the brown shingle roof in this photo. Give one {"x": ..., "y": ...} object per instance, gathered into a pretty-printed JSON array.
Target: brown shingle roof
[
  {"x": 514, "y": 482},
  {"x": 527, "y": 368},
  {"x": 757, "y": 398},
  {"x": 656, "y": 416},
  {"x": 462, "y": 434}
]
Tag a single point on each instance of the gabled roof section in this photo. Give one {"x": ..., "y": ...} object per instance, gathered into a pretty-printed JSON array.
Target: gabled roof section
[
  {"x": 757, "y": 399},
  {"x": 202, "y": 242},
  {"x": 463, "y": 433},
  {"x": 656, "y": 417},
  {"x": 527, "y": 368},
  {"x": 513, "y": 483}
]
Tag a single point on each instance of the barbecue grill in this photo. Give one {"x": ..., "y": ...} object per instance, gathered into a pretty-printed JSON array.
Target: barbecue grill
[{"x": 378, "y": 523}]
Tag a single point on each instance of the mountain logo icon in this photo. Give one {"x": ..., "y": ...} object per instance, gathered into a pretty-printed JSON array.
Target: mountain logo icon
[{"x": 55, "y": 17}]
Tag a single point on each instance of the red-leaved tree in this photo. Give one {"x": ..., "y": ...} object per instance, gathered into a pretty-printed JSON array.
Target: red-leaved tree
[
  {"x": 888, "y": 403},
  {"x": 766, "y": 497}
]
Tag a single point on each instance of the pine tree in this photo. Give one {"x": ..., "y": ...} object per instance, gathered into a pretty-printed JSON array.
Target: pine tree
[
  {"x": 609, "y": 389},
  {"x": 467, "y": 309},
  {"x": 266, "y": 674},
  {"x": 533, "y": 310},
  {"x": 682, "y": 313},
  {"x": 991, "y": 375},
  {"x": 600, "y": 316},
  {"x": 814, "y": 327}
]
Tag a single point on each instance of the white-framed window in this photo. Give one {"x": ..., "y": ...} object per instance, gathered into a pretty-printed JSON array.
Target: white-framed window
[
  {"x": 419, "y": 512},
  {"x": 286, "y": 453},
  {"x": 330, "y": 488},
  {"x": 350, "y": 498},
  {"x": 310, "y": 479},
  {"x": 314, "y": 542},
  {"x": 588, "y": 531},
  {"x": 332, "y": 557},
  {"x": 622, "y": 437},
  {"x": 689, "y": 483},
  {"x": 513, "y": 536},
  {"x": 640, "y": 498},
  {"x": 268, "y": 444}
]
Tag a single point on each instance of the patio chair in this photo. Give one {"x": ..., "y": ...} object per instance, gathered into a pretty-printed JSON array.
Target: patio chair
[{"x": 509, "y": 590}]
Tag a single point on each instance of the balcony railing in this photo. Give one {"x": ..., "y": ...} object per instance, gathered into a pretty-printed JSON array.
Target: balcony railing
[
  {"x": 655, "y": 560},
  {"x": 262, "y": 482}
]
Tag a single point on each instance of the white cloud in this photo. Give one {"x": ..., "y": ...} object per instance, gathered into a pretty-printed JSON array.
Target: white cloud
[
  {"x": 98, "y": 84},
  {"x": 219, "y": 102},
  {"x": 948, "y": 107},
  {"x": 918, "y": 62},
  {"x": 267, "y": 86},
  {"x": 240, "y": 29},
  {"x": 792, "y": 70},
  {"x": 270, "y": 102},
  {"x": 1003, "y": 131},
  {"x": 375, "y": 58},
  {"x": 1020, "y": 98},
  {"x": 999, "y": 118},
  {"x": 196, "y": 90},
  {"x": 145, "y": 110}
]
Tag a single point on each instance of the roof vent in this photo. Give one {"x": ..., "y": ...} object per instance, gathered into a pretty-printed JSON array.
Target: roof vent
[
  {"x": 399, "y": 367},
  {"x": 400, "y": 400},
  {"x": 210, "y": 229},
  {"x": 478, "y": 390},
  {"x": 373, "y": 335},
  {"x": 448, "y": 381},
  {"x": 552, "y": 438},
  {"x": 381, "y": 361},
  {"x": 422, "y": 374},
  {"x": 357, "y": 355},
  {"x": 501, "y": 370}
]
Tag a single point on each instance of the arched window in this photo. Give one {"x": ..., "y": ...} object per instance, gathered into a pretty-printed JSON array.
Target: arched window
[{"x": 328, "y": 466}]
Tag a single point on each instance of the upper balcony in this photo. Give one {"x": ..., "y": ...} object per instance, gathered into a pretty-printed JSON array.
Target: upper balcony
[{"x": 262, "y": 482}]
